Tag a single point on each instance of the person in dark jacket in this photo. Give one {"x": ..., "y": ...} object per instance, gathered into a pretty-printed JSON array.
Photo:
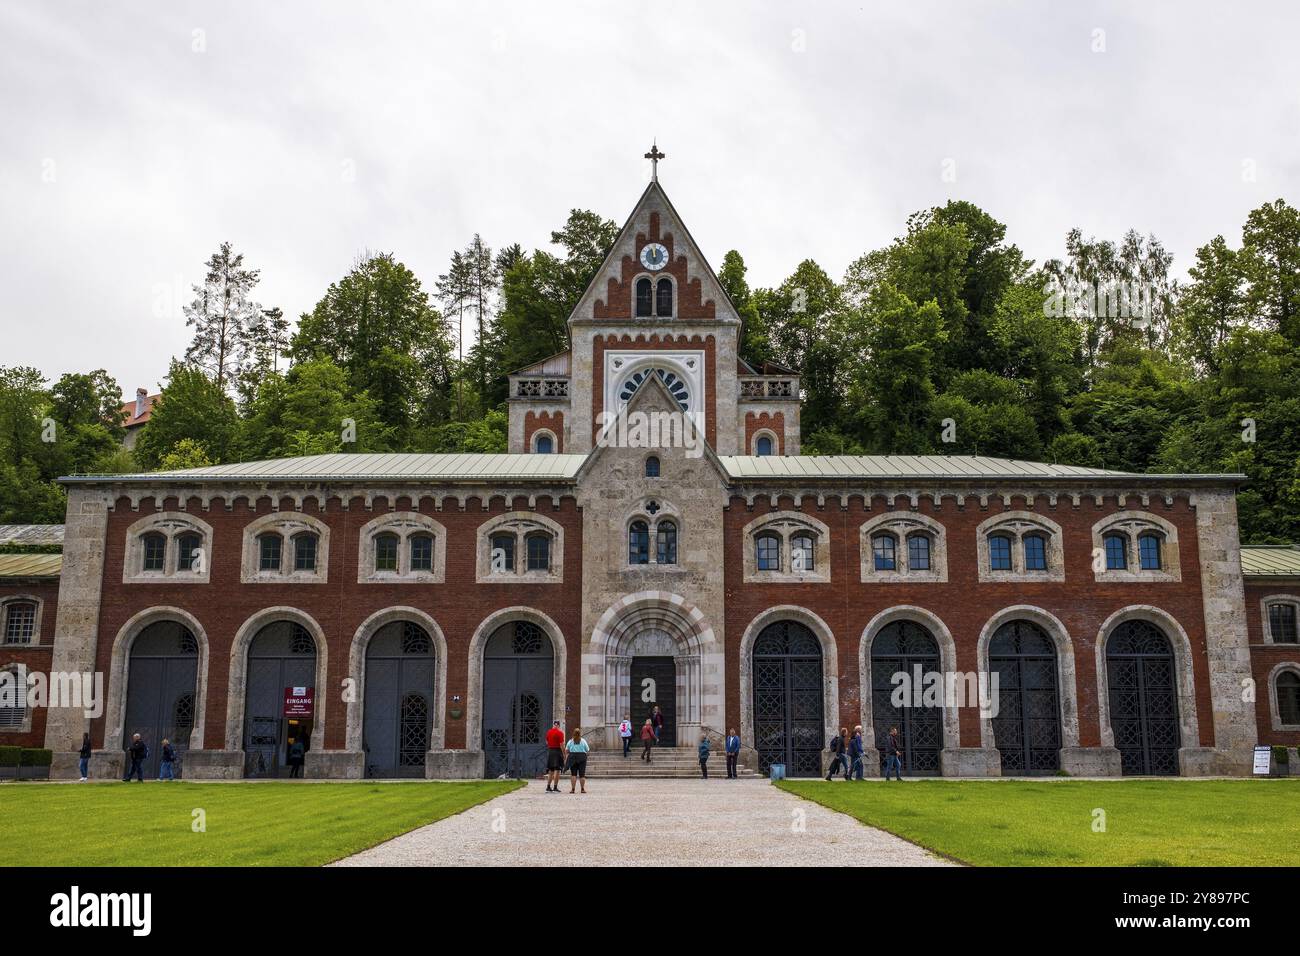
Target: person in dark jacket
[
  {"x": 657, "y": 720},
  {"x": 839, "y": 753},
  {"x": 855, "y": 752},
  {"x": 167, "y": 765},
  {"x": 732, "y": 748},
  {"x": 297, "y": 753},
  {"x": 84, "y": 762},
  {"x": 893, "y": 755},
  {"x": 137, "y": 753},
  {"x": 704, "y": 755}
]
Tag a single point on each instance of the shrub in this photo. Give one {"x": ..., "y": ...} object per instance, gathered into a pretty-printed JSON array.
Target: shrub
[
  {"x": 9, "y": 756},
  {"x": 36, "y": 757}
]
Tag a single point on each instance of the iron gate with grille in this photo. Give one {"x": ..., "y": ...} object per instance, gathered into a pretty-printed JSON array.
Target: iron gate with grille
[
  {"x": 517, "y": 700},
  {"x": 399, "y": 686},
  {"x": 1143, "y": 699},
  {"x": 789, "y": 717},
  {"x": 1027, "y": 728},
  {"x": 904, "y": 646},
  {"x": 282, "y": 655},
  {"x": 161, "y": 683}
]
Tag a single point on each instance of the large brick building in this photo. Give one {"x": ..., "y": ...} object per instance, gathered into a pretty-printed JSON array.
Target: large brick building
[{"x": 429, "y": 614}]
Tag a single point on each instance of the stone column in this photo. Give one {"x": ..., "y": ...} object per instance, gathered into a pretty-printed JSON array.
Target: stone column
[{"x": 76, "y": 626}]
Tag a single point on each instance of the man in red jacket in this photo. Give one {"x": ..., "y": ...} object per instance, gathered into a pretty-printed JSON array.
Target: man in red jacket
[{"x": 554, "y": 757}]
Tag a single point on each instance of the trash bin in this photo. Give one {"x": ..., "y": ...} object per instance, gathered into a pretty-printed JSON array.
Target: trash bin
[{"x": 776, "y": 771}]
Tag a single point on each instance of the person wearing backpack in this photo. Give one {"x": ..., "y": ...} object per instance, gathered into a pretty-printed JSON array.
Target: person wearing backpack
[
  {"x": 297, "y": 753},
  {"x": 625, "y": 732},
  {"x": 138, "y": 753},
  {"x": 166, "y": 767},
  {"x": 839, "y": 748},
  {"x": 856, "y": 751},
  {"x": 647, "y": 739}
]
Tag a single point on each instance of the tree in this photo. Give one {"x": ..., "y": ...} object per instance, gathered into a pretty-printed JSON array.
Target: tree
[
  {"x": 1212, "y": 305},
  {"x": 1271, "y": 264},
  {"x": 265, "y": 339},
  {"x": 755, "y": 347},
  {"x": 87, "y": 411},
  {"x": 806, "y": 322},
  {"x": 192, "y": 406},
  {"x": 220, "y": 315},
  {"x": 186, "y": 453}
]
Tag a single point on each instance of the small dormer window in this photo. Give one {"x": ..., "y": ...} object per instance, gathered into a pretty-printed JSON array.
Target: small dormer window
[
  {"x": 643, "y": 298},
  {"x": 545, "y": 445},
  {"x": 664, "y": 299},
  {"x": 763, "y": 446}
]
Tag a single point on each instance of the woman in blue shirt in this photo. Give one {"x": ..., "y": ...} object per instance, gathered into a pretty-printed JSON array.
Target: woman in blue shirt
[{"x": 578, "y": 750}]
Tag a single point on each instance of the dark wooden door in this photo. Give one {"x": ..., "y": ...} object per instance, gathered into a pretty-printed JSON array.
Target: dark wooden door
[{"x": 654, "y": 681}]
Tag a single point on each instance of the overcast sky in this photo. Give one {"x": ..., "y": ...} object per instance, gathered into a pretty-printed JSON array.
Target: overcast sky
[{"x": 135, "y": 137}]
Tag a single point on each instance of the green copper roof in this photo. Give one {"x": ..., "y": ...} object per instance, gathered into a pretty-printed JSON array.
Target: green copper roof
[
  {"x": 929, "y": 467},
  {"x": 30, "y": 565},
  {"x": 1270, "y": 560}
]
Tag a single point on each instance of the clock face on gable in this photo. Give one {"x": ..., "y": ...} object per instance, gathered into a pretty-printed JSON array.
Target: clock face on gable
[{"x": 654, "y": 256}]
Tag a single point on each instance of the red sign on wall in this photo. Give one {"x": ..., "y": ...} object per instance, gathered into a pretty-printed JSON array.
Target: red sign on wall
[{"x": 298, "y": 701}]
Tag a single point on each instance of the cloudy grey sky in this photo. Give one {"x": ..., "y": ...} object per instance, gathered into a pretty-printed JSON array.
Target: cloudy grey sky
[{"x": 135, "y": 137}]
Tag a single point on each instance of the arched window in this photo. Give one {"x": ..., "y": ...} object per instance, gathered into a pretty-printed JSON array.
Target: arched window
[
  {"x": 999, "y": 552},
  {"x": 503, "y": 553},
  {"x": 421, "y": 552},
  {"x": 19, "y": 622},
  {"x": 884, "y": 552},
  {"x": 1282, "y": 623},
  {"x": 918, "y": 552},
  {"x": 652, "y": 467},
  {"x": 155, "y": 551},
  {"x": 186, "y": 547},
  {"x": 268, "y": 551},
  {"x": 643, "y": 296},
  {"x": 1035, "y": 552},
  {"x": 666, "y": 542},
  {"x": 664, "y": 299},
  {"x": 1116, "y": 546},
  {"x": 1149, "y": 551},
  {"x": 538, "y": 546},
  {"x": 304, "y": 551},
  {"x": 386, "y": 546},
  {"x": 545, "y": 446},
  {"x": 763, "y": 446},
  {"x": 769, "y": 552},
  {"x": 802, "y": 553},
  {"x": 638, "y": 543},
  {"x": 1287, "y": 687}
]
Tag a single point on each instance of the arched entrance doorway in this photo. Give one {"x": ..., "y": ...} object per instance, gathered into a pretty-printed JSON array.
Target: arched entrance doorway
[
  {"x": 281, "y": 659},
  {"x": 399, "y": 689},
  {"x": 789, "y": 720},
  {"x": 517, "y": 700},
  {"x": 1143, "y": 698},
  {"x": 160, "y": 690},
  {"x": 906, "y": 647},
  {"x": 1027, "y": 728}
]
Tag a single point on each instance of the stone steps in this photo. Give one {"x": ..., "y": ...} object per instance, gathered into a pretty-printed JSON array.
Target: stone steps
[{"x": 672, "y": 762}]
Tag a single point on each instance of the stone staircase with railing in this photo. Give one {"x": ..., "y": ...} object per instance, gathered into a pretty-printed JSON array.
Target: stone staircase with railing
[{"x": 682, "y": 762}]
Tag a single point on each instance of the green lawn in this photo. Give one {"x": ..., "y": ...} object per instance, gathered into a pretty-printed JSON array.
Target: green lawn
[
  {"x": 1015, "y": 823},
  {"x": 257, "y": 824}
]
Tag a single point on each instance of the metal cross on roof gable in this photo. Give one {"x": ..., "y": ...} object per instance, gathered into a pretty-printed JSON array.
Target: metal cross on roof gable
[{"x": 654, "y": 156}]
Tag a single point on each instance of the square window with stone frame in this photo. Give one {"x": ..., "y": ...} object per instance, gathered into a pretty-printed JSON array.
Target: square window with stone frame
[
  {"x": 19, "y": 622},
  {"x": 1282, "y": 623}
]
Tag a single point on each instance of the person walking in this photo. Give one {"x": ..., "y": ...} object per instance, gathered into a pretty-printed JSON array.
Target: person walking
[
  {"x": 297, "y": 754},
  {"x": 83, "y": 762},
  {"x": 894, "y": 755},
  {"x": 732, "y": 747},
  {"x": 578, "y": 750},
  {"x": 839, "y": 748},
  {"x": 855, "y": 752},
  {"x": 625, "y": 732},
  {"x": 704, "y": 755},
  {"x": 138, "y": 753},
  {"x": 647, "y": 739},
  {"x": 554, "y": 757},
  {"x": 166, "y": 768},
  {"x": 657, "y": 721}
]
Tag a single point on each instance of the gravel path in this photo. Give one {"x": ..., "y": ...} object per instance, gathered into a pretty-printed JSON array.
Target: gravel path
[{"x": 647, "y": 823}]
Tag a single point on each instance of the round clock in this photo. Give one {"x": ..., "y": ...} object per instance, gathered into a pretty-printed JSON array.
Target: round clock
[{"x": 654, "y": 256}]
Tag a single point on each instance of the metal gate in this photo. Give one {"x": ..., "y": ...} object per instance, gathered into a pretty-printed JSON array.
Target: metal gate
[
  {"x": 518, "y": 691},
  {"x": 1143, "y": 699},
  {"x": 1027, "y": 728},
  {"x": 161, "y": 684},
  {"x": 281, "y": 655},
  {"x": 789, "y": 718},
  {"x": 663, "y": 672},
  {"x": 905, "y": 646},
  {"x": 399, "y": 687}
]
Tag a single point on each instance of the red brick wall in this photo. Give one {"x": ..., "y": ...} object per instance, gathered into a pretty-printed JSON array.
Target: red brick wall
[
  {"x": 37, "y": 657},
  {"x": 340, "y": 606},
  {"x": 756, "y": 422},
  {"x": 963, "y": 603},
  {"x": 1264, "y": 657},
  {"x": 618, "y": 301},
  {"x": 668, "y": 343},
  {"x": 550, "y": 421}
]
